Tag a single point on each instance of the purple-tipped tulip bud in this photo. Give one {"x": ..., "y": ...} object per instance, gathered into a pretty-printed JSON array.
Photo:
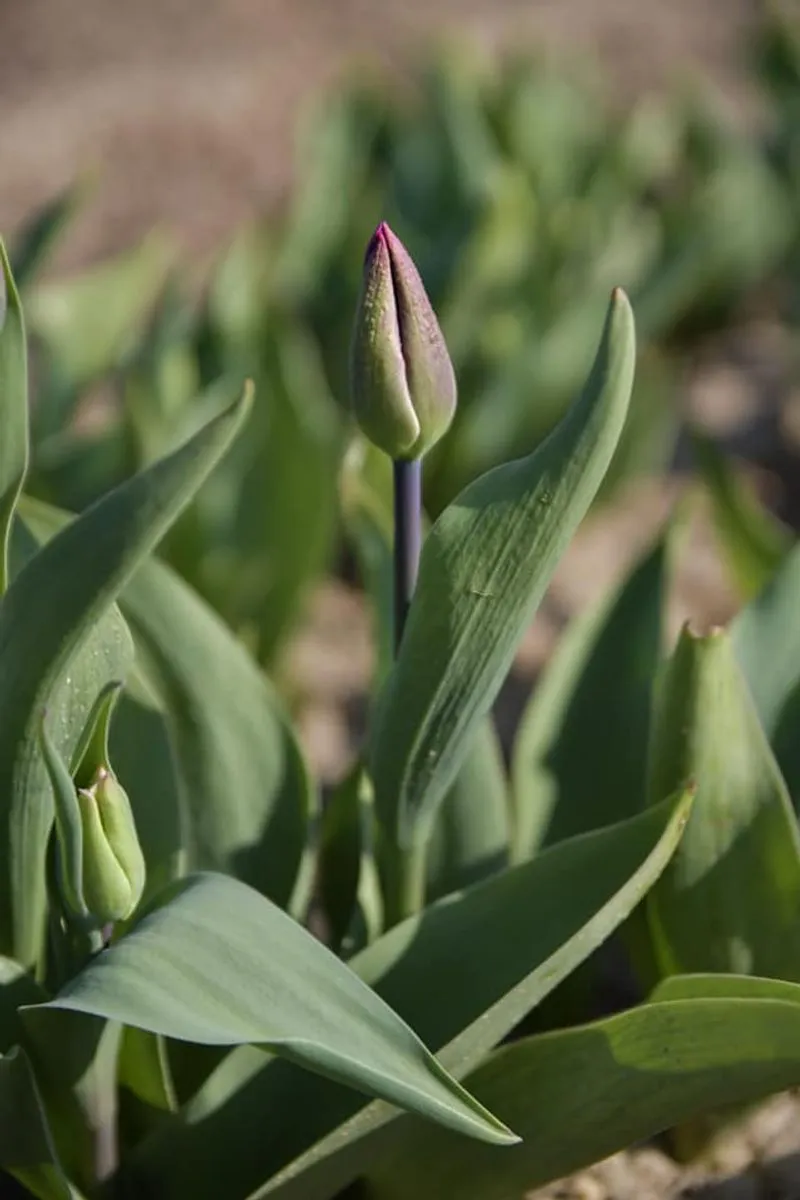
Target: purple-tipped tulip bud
[{"x": 404, "y": 389}]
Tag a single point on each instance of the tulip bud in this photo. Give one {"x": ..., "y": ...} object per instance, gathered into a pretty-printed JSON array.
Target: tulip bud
[
  {"x": 100, "y": 868},
  {"x": 113, "y": 864},
  {"x": 403, "y": 386}
]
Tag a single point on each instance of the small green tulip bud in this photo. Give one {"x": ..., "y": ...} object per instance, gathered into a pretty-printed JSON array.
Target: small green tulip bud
[
  {"x": 403, "y": 386},
  {"x": 113, "y": 863},
  {"x": 99, "y": 864}
]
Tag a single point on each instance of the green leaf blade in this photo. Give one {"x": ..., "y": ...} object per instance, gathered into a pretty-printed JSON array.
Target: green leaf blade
[
  {"x": 218, "y": 964},
  {"x": 485, "y": 566}
]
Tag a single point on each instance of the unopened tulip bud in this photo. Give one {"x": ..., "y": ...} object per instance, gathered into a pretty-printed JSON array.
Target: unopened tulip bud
[
  {"x": 113, "y": 863},
  {"x": 403, "y": 386},
  {"x": 100, "y": 867}
]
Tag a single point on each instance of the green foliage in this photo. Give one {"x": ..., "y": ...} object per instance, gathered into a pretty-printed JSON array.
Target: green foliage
[{"x": 207, "y": 1044}]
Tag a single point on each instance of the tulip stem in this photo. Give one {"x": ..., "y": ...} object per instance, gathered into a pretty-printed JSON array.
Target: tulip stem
[{"x": 407, "y": 538}]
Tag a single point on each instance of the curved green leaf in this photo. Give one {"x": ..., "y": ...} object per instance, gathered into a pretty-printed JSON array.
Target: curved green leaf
[
  {"x": 13, "y": 407},
  {"x": 245, "y": 791},
  {"x": 218, "y": 964},
  {"x": 485, "y": 566},
  {"x": 244, "y": 783},
  {"x": 582, "y": 1094},
  {"x": 46, "y": 618},
  {"x": 463, "y": 973},
  {"x": 575, "y": 769},
  {"x": 730, "y": 898}
]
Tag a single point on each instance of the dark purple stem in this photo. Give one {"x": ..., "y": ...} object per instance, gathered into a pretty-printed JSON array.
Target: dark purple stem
[{"x": 407, "y": 538}]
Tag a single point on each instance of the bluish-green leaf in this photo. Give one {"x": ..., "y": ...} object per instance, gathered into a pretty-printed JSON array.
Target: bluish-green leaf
[
  {"x": 46, "y": 618},
  {"x": 582, "y": 1094},
  {"x": 485, "y": 566},
  {"x": 218, "y": 964},
  {"x": 463, "y": 973},
  {"x": 580, "y": 759},
  {"x": 730, "y": 899}
]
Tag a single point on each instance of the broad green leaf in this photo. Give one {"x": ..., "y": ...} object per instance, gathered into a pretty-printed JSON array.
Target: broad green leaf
[
  {"x": 245, "y": 794},
  {"x": 730, "y": 899},
  {"x": 89, "y": 321},
  {"x": 582, "y": 1094},
  {"x": 524, "y": 931},
  {"x": 580, "y": 759},
  {"x": 485, "y": 566},
  {"x": 470, "y": 838},
  {"x": 13, "y": 408},
  {"x": 348, "y": 881},
  {"x": 753, "y": 542},
  {"x": 105, "y": 656},
  {"x": 766, "y": 641},
  {"x": 26, "y": 1144},
  {"x": 218, "y": 964},
  {"x": 46, "y": 619},
  {"x": 245, "y": 786}
]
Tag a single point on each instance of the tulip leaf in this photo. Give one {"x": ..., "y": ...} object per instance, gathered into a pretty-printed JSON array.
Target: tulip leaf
[
  {"x": 27, "y": 1150},
  {"x": 730, "y": 899},
  {"x": 571, "y": 770},
  {"x": 582, "y": 1094},
  {"x": 470, "y": 838},
  {"x": 46, "y": 619},
  {"x": 217, "y": 964},
  {"x": 13, "y": 408},
  {"x": 460, "y": 1002},
  {"x": 484, "y": 568},
  {"x": 348, "y": 876}
]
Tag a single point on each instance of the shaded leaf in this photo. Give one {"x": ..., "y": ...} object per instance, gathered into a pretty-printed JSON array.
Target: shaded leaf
[
  {"x": 26, "y": 1143},
  {"x": 582, "y": 1094},
  {"x": 730, "y": 898},
  {"x": 573, "y": 769}
]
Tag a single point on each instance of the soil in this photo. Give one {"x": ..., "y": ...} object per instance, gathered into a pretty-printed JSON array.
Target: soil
[{"x": 187, "y": 113}]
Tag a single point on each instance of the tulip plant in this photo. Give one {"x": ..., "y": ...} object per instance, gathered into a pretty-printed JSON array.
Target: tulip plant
[{"x": 168, "y": 1025}]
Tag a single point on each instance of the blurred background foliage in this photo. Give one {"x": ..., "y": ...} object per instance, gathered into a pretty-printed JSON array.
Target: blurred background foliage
[{"x": 524, "y": 195}]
